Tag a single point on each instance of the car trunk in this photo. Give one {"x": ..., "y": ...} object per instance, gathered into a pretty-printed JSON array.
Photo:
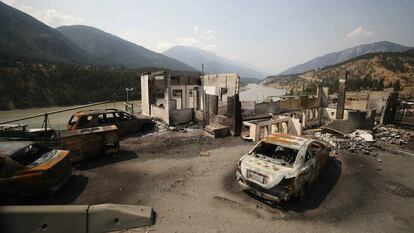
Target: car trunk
[{"x": 263, "y": 171}]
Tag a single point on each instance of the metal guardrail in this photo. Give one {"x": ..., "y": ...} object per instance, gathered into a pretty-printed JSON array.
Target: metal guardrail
[
  {"x": 129, "y": 107},
  {"x": 54, "y": 112},
  {"x": 74, "y": 218},
  {"x": 46, "y": 115}
]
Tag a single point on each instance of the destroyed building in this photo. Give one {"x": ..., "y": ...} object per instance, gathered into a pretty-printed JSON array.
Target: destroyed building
[
  {"x": 342, "y": 113},
  {"x": 177, "y": 97},
  {"x": 212, "y": 101}
]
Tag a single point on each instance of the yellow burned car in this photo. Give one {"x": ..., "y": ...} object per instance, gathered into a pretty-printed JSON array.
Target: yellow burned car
[{"x": 31, "y": 168}]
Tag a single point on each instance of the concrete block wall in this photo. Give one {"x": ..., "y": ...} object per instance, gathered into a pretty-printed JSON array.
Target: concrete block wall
[
  {"x": 356, "y": 104},
  {"x": 178, "y": 116},
  {"x": 329, "y": 114},
  {"x": 260, "y": 129},
  {"x": 378, "y": 100},
  {"x": 222, "y": 109},
  {"x": 250, "y": 108},
  {"x": 362, "y": 119},
  {"x": 145, "y": 95},
  {"x": 160, "y": 114},
  {"x": 198, "y": 116},
  {"x": 185, "y": 101},
  {"x": 214, "y": 83}
]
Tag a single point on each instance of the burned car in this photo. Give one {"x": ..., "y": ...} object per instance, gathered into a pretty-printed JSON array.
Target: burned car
[
  {"x": 32, "y": 168},
  {"x": 90, "y": 143},
  {"x": 126, "y": 123},
  {"x": 281, "y": 167}
]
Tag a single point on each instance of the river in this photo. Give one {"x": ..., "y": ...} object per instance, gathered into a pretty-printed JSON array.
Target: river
[
  {"x": 59, "y": 120},
  {"x": 254, "y": 92},
  {"x": 258, "y": 93}
]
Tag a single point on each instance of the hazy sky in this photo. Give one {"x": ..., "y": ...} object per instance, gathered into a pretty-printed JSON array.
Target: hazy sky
[{"x": 271, "y": 35}]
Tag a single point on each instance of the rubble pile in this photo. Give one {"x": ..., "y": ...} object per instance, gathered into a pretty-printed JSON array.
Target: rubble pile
[
  {"x": 185, "y": 127},
  {"x": 330, "y": 139},
  {"x": 391, "y": 135},
  {"x": 351, "y": 143},
  {"x": 366, "y": 142}
]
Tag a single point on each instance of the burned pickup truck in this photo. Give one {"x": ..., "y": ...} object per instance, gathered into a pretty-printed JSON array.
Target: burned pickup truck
[
  {"x": 126, "y": 123},
  {"x": 281, "y": 167},
  {"x": 90, "y": 143}
]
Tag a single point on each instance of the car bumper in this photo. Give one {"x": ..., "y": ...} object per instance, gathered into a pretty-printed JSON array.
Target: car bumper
[{"x": 275, "y": 194}]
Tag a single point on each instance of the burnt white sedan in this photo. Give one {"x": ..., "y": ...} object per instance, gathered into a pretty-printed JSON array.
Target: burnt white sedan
[{"x": 281, "y": 167}]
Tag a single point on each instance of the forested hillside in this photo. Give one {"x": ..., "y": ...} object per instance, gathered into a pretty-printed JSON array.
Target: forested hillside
[{"x": 25, "y": 86}]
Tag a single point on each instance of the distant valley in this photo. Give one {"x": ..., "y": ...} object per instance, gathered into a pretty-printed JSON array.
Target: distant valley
[{"x": 213, "y": 63}]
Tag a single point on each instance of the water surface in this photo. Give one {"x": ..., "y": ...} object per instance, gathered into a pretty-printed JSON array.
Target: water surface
[{"x": 258, "y": 93}]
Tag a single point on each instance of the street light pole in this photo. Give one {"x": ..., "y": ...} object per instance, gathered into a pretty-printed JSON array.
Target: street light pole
[{"x": 127, "y": 91}]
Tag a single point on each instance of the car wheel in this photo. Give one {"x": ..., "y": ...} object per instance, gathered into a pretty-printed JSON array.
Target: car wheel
[
  {"x": 146, "y": 128},
  {"x": 117, "y": 147},
  {"x": 3, "y": 172},
  {"x": 304, "y": 191}
]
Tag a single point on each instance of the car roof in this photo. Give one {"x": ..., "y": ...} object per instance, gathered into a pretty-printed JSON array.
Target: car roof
[
  {"x": 11, "y": 147},
  {"x": 96, "y": 111},
  {"x": 287, "y": 140}
]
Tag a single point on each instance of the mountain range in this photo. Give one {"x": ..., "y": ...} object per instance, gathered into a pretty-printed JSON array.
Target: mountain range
[
  {"x": 26, "y": 39},
  {"x": 213, "y": 63},
  {"x": 117, "y": 50},
  {"x": 341, "y": 56}
]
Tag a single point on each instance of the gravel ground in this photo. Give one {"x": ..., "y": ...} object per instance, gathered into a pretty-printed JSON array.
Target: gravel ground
[{"x": 193, "y": 193}]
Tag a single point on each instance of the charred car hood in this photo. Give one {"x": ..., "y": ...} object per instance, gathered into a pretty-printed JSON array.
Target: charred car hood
[
  {"x": 43, "y": 159},
  {"x": 273, "y": 172}
]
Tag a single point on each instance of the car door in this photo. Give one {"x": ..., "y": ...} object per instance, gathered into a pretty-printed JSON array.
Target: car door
[
  {"x": 319, "y": 155},
  {"x": 322, "y": 157},
  {"x": 309, "y": 165},
  {"x": 306, "y": 167},
  {"x": 122, "y": 123}
]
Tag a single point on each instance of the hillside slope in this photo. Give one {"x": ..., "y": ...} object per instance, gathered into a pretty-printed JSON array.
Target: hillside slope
[
  {"x": 341, "y": 56},
  {"x": 366, "y": 71},
  {"x": 24, "y": 38},
  {"x": 212, "y": 62},
  {"x": 117, "y": 50}
]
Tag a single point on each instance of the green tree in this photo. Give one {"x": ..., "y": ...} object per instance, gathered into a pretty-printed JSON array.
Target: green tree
[
  {"x": 381, "y": 84},
  {"x": 396, "y": 85}
]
